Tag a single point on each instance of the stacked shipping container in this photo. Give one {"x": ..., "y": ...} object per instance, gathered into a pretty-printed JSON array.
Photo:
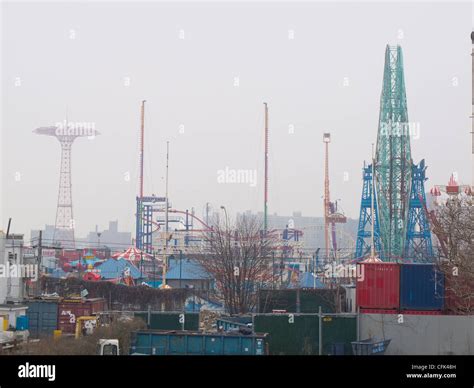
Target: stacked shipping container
[
  {"x": 390, "y": 288},
  {"x": 421, "y": 287},
  {"x": 71, "y": 309},
  {"x": 42, "y": 316},
  {"x": 378, "y": 286}
]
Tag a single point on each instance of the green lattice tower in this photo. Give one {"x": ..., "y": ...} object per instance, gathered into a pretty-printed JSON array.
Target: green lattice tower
[{"x": 393, "y": 157}]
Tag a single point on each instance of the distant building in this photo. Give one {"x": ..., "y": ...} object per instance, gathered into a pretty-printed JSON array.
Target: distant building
[
  {"x": 48, "y": 239},
  {"x": 110, "y": 238},
  {"x": 13, "y": 275},
  {"x": 312, "y": 228}
]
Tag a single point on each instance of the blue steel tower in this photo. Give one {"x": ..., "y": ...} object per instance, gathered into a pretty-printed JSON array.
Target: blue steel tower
[
  {"x": 364, "y": 233},
  {"x": 418, "y": 246}
]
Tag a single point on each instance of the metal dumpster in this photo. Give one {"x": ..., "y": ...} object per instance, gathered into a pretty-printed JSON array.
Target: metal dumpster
[
  {"x": 370, "y": 347},
  {"x": 163, "y": 342},
  {"x": 234, "y": 323}
]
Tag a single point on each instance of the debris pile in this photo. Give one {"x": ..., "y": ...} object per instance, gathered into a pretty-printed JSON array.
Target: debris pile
[{"x": 207, "y": 320}]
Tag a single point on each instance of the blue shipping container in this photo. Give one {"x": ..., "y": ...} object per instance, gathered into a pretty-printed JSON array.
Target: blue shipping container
[
  {"x": 196, "y": 343},
  {"x": 42, "y": 317},
  {"x": 421, "y": 287}
]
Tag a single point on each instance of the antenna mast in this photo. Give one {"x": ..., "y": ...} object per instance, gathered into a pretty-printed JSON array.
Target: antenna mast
[
  {"x": 142, "y": 145},
  {"x": 265, "y": 195},
  {"x": 326, "y": 141}
]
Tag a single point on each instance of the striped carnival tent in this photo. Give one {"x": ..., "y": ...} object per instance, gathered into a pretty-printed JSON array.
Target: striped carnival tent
[{"x": 134, "y": 255}]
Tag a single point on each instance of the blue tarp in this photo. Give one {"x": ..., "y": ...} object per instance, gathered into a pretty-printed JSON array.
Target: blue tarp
[
  {"x": 112, "y": 269},
  {"x": 154, "y": 283},
  {"x": 58, "y": 273}
]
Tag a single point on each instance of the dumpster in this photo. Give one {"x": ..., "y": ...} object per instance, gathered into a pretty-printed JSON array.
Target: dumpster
[
  {"x": 234, "y": 323},
  {"x": 164, "y": 342},
  {"x": 370, "y": 347}
]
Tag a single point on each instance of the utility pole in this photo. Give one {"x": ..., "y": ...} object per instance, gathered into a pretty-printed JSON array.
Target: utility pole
[
  {"x": 167, "y": 200},
  {"x": 265, "y": 194},
  {"x": 40, "y": 260},
  {"x": 142, "y": 145},
  {"x": 180, "y": 266},
  {"x": 40, "y": 248},
  {"x": 207, "y": 213},
  {"x": 8, "y": 228},
  {"x": 472, "y": 114},
  {"x": 273, "y": 270},
  {"x": 326, "y": 141},
  {"x": 165, "y": 259}
]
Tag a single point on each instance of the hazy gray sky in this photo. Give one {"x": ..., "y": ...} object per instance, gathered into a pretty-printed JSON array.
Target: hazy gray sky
[{"x": 318, "y": 65}]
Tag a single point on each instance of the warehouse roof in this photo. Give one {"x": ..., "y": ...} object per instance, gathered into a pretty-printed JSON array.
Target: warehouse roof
[
  {"x": 187, "y": 269},
  {"x": 113, "y": 269}
]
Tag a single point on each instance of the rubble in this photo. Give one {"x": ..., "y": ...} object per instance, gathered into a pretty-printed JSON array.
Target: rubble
[{"x": 207, "y": 320}]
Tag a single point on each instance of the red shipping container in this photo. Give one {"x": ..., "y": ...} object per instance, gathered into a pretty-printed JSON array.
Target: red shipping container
[
  {"x": 378, "y": 311},
  {"x": 71, "y": 309},
  {"x": 378, "y": 286}
]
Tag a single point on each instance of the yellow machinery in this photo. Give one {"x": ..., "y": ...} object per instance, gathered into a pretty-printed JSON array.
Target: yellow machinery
[{"x": 79, "y": 323}]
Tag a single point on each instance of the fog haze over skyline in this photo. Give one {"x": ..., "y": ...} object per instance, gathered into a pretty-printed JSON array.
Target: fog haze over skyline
[{"x": 205, "y": 70}]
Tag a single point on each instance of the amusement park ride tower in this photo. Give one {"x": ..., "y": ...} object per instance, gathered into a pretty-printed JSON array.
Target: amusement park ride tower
[
  {"x": 66, "y": 133},
  {"x": 401, "y": 229}
]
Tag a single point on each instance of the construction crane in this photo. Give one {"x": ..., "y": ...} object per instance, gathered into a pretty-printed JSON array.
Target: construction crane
[
  {"x": 331, "y": 216},
  {"x": 265, "y": 192}
]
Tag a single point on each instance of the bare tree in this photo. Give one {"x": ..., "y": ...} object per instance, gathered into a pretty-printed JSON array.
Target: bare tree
[
  {"x": 238, "y": 256},
  {"x": 456, "y": 220}
]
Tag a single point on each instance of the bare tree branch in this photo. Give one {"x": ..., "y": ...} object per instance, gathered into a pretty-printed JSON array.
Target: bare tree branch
[{"x": 237, "y": 256}]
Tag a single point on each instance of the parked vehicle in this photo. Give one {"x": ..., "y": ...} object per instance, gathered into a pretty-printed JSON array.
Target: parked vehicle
[{"x": 108, "y": 347}]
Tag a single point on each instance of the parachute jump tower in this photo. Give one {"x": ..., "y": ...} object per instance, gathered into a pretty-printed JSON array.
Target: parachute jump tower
[
  {"x": 66, "y": 133},
  {"x": 401, "y": 229}
]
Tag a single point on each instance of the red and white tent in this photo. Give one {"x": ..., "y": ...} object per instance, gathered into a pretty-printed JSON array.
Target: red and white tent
[{"x": 133, "y": 254}]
